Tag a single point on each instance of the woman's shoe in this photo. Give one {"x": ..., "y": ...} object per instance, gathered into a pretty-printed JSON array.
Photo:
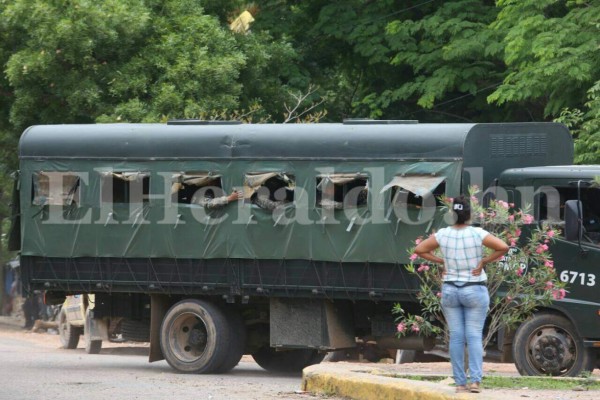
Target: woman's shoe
[
  {"x": 475, "y": 388},
  {"x": 462, "y": 389}
]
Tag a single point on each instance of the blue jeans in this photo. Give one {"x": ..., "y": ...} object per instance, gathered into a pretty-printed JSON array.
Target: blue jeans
[{"x": 465, "y": 310}]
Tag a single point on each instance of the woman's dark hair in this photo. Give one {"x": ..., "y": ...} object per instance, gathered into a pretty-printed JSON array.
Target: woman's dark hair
[{"x": 461, "y": 207}]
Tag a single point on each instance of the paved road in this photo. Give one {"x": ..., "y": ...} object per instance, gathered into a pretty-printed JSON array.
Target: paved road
[{"x": 32, "y": 366}]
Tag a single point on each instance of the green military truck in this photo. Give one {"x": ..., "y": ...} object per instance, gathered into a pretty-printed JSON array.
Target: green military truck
[{"x": 310, "y": 259}]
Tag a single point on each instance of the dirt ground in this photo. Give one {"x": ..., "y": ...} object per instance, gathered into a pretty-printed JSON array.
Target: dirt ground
[{"x": 34, "y": 367}]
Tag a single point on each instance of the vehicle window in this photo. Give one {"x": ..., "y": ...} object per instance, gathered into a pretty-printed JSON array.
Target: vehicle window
[
  {"x": 125, "y": 187},
  {"x": 411, "y": 190},
  {"x": 339, "y": 191},
  {"x": 55, "y": 188},
  {"x": 549, "y": 208},
  {"x": 269, "y": 190},
  {"x": 196, "y": 188}
]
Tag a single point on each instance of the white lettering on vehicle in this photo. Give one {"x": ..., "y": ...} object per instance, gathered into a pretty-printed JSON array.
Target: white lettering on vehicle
[{"x": 578, "y": 277}]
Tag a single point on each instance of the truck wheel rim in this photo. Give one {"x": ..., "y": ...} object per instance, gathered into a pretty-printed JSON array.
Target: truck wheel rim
[
  {"x": 551, "y": 350},
  {"x": 188, "y": 337}
]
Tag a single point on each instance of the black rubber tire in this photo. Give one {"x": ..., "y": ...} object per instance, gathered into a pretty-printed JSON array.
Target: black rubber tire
[
  {"x": 548, "y": 344},
  {"x": 91, "y": 346},
  {"x": 69, "y": 334},
  {"x": 199, "y": 321},
  {"x": 371, "y": 353},
  {"x": 316, "y": 358},
  {"x": 342, "y": 355},
  {"x": 407, "y": 356},
  {"x": 135, "y": 331},
  {"x": 286, "y": 360},
  {"x": 237, "y": 342}
]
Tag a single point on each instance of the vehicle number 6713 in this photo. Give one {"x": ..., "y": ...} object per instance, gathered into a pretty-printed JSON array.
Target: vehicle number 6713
[{"x": 578, "y": 277}]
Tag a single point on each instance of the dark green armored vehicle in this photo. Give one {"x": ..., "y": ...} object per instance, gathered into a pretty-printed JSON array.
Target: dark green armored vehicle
[{"x": 280, "y": 241}]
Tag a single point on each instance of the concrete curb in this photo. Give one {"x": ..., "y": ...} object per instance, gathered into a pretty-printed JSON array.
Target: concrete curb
[{"x": 367, "y": 383}]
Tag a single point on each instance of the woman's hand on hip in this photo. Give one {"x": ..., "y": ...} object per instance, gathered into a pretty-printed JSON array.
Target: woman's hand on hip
[{"x": 477, "y": 271}]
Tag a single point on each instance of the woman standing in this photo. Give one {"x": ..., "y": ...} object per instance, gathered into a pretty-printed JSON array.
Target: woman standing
[{"x": 465, "y": 297}]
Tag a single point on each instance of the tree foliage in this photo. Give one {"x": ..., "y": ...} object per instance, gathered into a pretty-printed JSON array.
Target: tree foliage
[
  {"x": 585, "y": 126},
  {"x": 79, "y": 61},
  {"x": 449, "y": 52},
  {"x": 551, "y": 52}
]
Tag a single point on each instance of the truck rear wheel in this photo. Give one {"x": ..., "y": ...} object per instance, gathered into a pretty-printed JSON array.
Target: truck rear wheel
[
  {"x": 237, "y": 343},
  {"x": 286, "y": 360},
  {"x": 91, "y": 346},
  {"x": 548, "y": 344},
  {"x": 195, "y": 337},
  {"x": 69, "y": 334}
]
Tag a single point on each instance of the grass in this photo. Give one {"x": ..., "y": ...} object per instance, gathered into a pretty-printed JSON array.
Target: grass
[
  {"x": 532, "y": 383},
  {"x": 502, "y": 382}
]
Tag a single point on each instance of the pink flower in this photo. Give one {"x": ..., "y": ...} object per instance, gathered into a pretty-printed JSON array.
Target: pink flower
[
  {"x": 423, "y": 267},
  {"x": 439, "y": 294},
  {"x": 512, "y": 205},
  {"x": 413, "y": 256},
  {"x": 549, "y": 285},
  {"x": 527, "y": 219},
  {"x": 474, "y": 199},
  {"x": 513, "y": 243},
  {"x": 519, "y": 272},
  {"x": 419, "y": 240},
  {"x": 511, "y": 218},
  {"x": 481, "y": 215},
  {"x": 532, "y": 280},
  {"x": 546, "y": 240},
  {"x": 550, "y": 233},
  {"x": 401, "y": 327},
  {"x": 509, "y": 299},
  {"x": 549, "y": 264},
  {"x": 503, "y": 204},
  {"x": 559, "y": 294},
  {"x": 541, "y": 248},
  {"x": 518, "y": 232},
  {"x": 415, "y": 328}
]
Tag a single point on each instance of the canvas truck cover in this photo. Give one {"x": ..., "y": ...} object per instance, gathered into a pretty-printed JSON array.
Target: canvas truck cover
[{"x": 413, "y": 157}]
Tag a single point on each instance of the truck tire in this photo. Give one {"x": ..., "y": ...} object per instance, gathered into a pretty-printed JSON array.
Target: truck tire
[
  {"x": 91, "y": 346},
  {"x": 237, "y": 343},
  {"x": 407, "y": 356},
  {"x": 69, "y": 334},
  {"x": 548, "y": 344},
  {"x": 342, "y": 355},
  {"x": 195, "y": 337},
  {"x": 286, "y": 360},
  {"x": 135, "y": 331}
]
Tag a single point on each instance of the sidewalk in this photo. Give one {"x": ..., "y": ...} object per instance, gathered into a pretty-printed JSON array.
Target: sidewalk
[
  {"x": 376, "y": 382},
  {"x": 364, "y": 381}
]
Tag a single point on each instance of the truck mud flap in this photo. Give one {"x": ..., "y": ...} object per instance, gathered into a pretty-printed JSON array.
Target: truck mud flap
[{"x": 159, "y": 305}]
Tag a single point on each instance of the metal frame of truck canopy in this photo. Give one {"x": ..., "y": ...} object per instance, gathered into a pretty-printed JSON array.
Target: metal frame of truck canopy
[
  {"x": 259, "y": 259},
  {"x": 516, "y": 176}
]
